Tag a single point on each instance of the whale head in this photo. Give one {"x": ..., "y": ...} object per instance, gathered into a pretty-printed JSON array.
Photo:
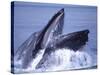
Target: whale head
[
  {"x": 52, "y": 29},
  {"x": 73, "y": 41}
]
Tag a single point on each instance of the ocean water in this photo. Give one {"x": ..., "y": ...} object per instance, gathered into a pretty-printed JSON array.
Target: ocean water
[
  {"x": 29, "y": 18},
  {"x": 60, "y": 60}
]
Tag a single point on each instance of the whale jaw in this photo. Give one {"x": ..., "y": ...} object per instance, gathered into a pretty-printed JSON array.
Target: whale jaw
[
  {"x": 64, "y": 44},
  {"x": 73, "y": 41}
]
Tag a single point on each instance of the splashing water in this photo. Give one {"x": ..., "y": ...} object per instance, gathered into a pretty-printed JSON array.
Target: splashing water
[
  {"x": 61, "y": 59},
  {"x": 65, "y": 59}
]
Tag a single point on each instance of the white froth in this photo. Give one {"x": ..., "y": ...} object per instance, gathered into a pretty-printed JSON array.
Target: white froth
[{"x": 64, "y": 59}]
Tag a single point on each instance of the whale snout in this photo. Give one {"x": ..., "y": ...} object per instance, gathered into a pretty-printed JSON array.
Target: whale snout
[
  {"x": 86, "y": 31},
  {"x": 61, "y": 11}
]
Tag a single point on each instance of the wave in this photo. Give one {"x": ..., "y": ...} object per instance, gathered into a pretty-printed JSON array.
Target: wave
[{"x": 61, "y": 59}]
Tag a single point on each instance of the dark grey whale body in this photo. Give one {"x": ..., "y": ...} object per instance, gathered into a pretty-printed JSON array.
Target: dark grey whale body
[
  {"x": 50, "y": 38},
  {"x": 73, "y": 41},
  {"x": 39, "y": 40}
]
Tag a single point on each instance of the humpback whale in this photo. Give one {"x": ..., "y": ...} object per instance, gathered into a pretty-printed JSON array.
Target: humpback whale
[
  {"x": 72, "y": 41},
  {"x": 50, "y": 38},
  {"x": 39, "y": 40}
]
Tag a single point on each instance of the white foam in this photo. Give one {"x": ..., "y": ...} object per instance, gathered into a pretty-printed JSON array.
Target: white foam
[
  {"x": 36, "y": 60},
  {"x": 64, "y": 59}
]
